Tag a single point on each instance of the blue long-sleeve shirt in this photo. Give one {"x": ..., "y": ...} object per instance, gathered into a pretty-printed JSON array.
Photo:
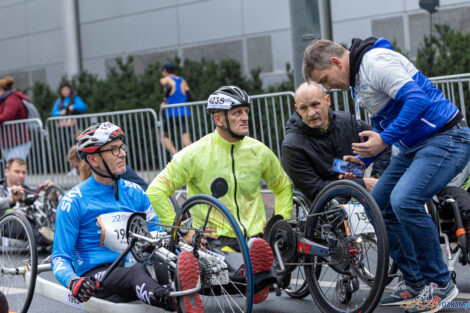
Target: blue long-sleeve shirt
[
  {"x": 79, "y": 106},
  {"x": 84, "y": 233}
]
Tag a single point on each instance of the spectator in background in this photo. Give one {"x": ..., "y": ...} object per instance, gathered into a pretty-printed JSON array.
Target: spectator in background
[
  {"x": 68, "y": 103},
  {"x": 16, "y": 140},
  {"x": 74, "y": 161},
  {"x": 176, "y": 90}
]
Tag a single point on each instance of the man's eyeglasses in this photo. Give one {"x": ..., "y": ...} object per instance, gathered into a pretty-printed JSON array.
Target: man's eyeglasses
[{"x": 116, "y": 150}]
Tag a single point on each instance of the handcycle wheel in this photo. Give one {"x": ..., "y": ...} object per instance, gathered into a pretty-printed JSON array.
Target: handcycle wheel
[
  {"x": 298, "y": 288},
  {"x": 17, "y": 251},
  {"x": 52, "y": 197},
  {"x": 367, "y": 277},
  {"x": 229, "y": 290},
  {"x": 342, "y": 217}
]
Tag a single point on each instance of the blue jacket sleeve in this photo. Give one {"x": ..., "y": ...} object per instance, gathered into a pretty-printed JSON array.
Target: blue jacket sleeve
[
  {"x": 67, "y": 227},
  {"x": 55, "y": 109},
  {"x": 79, "y": 106},
  {"x": 415, "y": 103}
]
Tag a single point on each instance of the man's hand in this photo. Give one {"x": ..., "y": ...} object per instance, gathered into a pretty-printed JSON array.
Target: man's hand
[
  {"x": 351, "y": 159},
  {"x": 48, "y": 183},
  {"x": 17, "y": 193},
  {"x": 370, "y": 183},
  {"x": 82, "y": 288},
  {"x": 373, "y": 146},
  {"x": 188, "y": 238},
  {"x": 162, "y": 104},
  {"x": 63, "y": 112}
]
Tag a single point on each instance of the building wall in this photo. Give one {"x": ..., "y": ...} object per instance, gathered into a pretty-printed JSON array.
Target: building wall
[
  {"x": 402, "y": 21},
  {"x": 151, "y": 30},
  {"x": 254, "y": 32}
]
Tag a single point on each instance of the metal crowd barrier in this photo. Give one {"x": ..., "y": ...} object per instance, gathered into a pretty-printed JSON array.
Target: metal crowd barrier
[
  {"x": 456, "y": 88},
  {"x": 140, "y": 127},
  {"x": 47, "y": 157},
  {"x": 25, "y": 139},
  {"x": 268, "y": 116}
]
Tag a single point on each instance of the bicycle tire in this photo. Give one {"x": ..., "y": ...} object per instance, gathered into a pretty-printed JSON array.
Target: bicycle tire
[
  {"x": 204, "y": 202},
  {"x": 327, "y": 209},
  {"x": 52, "y": 197},
  {"x": 15, "y": 242},
  {"x": 298, "y": 289}
]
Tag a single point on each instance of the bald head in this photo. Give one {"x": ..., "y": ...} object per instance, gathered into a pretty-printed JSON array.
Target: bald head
[
  {"x": 308, "y": 88},
  {"x": 312, "y": 103}
]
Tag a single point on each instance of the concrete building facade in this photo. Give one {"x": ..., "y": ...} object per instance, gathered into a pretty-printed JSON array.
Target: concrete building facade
[{"x": 254, "y": 32}]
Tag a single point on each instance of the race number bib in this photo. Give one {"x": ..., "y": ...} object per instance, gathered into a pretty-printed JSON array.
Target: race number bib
[
  {"x": 113, "y": 230},
  {"x": 358, "y": 221}
]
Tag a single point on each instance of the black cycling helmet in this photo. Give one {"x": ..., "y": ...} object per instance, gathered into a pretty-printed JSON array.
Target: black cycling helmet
[
  {"x": 92, "y": 139},
  {"x": 169, "y": 67},
  {"x": 226, "y": 98}
]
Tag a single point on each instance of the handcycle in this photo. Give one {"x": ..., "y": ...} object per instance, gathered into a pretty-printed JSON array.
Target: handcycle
[
  {"x": 336, "y": 248},
  {"x": 450, "y": 229},
  {"x": 39, "y": 207},
  {"x": 220, "y": 290}
]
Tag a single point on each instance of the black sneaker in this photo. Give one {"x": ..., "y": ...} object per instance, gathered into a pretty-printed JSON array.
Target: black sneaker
[
  {"x": 400, "y": 295},
  {"x": 160, "y": 297},
  {"x": 432, "y": 298}
]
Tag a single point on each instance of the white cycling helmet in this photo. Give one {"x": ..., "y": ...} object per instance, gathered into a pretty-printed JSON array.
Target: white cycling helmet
[{"x": 226, "y": 98}]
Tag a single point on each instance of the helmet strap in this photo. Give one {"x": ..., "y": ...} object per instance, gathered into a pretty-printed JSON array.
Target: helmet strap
[
  {"x": 228, "y": 130},
  {"x": 115, "y": 178}
]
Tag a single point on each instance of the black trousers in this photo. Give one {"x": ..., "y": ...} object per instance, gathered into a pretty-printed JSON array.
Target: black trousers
[{"x": 125, "y": 283}]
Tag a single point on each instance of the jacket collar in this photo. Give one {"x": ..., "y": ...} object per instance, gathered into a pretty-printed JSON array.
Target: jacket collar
[
  {"x": 224, "y": 143},
  {"x": 356, "y": 52}
]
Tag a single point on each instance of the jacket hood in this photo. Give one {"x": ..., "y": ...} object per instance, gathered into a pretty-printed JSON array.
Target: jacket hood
[{"x": 296, "y": 125}]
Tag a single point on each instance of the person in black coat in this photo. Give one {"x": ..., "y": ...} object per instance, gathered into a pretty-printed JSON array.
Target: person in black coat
[{"x": 315, "y": 136}]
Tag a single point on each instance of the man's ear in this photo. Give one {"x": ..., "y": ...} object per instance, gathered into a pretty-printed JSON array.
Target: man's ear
[
  {"x": 218, "y": 118},
  {"x": 296, "y": 107},
  {"x": 91, "y": 158},
  {"x": 336, "y": 61},
  {"x": 328, "y": 99}
]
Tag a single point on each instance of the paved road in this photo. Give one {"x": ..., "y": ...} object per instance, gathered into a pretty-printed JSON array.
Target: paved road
[{"x": 272, "y": 304}]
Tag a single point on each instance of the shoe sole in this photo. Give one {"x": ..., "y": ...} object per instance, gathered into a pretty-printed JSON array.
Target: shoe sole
[
  {"x": 187, "y": 276},
  {"x": 261, "y": 257}
]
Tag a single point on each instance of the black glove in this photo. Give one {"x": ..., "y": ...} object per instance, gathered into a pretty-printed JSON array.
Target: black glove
[{"x": 83, "y": 288}]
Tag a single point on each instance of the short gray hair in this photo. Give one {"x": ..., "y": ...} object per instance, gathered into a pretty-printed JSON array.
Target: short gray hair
[{"x": 317, "y": 56}]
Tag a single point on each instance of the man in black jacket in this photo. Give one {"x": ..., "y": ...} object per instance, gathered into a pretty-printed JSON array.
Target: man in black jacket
[{"x": 315, "y": 135}]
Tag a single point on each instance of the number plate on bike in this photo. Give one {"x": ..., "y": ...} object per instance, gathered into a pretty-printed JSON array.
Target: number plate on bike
[
  {"x": 358, "y": 221},
  {"x": 113, "y": 230}
]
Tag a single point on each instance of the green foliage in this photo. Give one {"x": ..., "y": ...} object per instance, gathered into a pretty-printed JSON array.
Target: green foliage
[
  {"x": 122, "y": 89},
  {"x": 444, "y": 54}
]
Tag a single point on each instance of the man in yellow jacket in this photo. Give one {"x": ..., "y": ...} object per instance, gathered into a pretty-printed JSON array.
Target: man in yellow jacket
[{"x": 242, "y": 161}]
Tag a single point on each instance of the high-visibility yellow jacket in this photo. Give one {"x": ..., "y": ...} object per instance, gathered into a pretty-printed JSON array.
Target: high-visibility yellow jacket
[{"x": 243, "y": 164}]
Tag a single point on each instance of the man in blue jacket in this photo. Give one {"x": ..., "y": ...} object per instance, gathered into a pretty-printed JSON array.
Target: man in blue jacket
[
  {"x": 409, "y": 112},
  {"x": 88, "y": 219}
]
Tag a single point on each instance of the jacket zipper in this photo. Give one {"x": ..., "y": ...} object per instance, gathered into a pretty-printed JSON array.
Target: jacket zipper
[{"x": 235, "y": 191}]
